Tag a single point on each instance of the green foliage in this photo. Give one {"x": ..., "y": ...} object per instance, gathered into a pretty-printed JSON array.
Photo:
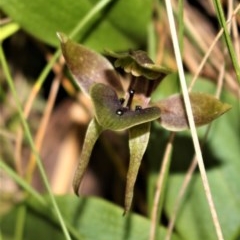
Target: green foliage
[
  {"x": 91, "y": 218},
  {"x": 118, "y": 27},
  {"x": 122, "y": 26}
]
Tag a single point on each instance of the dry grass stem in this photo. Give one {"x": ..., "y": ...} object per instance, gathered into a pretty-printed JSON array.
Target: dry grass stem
[
  {"x": 191, "y": 122},
  {"x": 19, "y": 135},
  {"x": 159, "y": 186},
  {"x": 43, "y": 126},
  {"x": 7, "y": 134},
  {"x": 66, "y": 162},
  {"x": 235, "y": 33},
  {"x": 44, "y": 121},
  {"x": 180, "y": 197},
  {"x": 194, "y": 161},
  {"x": 192, "y": 167},
  {"x": 214, "y": 59}
]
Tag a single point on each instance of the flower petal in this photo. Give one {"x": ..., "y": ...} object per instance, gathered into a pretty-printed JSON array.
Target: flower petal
[
  {"x": 92, "y": 134},
  {"x": 138, "y": 141},
  {"x": 88, "y": 67},
  {"x": 205, "y": 109},
  {"x": 139, "y": 64},
  {"x": 110, "y": 114}
]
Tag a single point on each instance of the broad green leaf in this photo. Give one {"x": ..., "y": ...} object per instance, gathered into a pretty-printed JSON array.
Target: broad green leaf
[
  {"x": 110, "y": 113},
  {"x": 139, "y": 64},
  {"x": 121, "y": 26},
  {"x": 138, "y": 141},
  {"x": 92, "y": 218},
  {"x": 205, "y": 109},
  {"x": 92, "y": 134},
  {"x": 87, "y": 66}
]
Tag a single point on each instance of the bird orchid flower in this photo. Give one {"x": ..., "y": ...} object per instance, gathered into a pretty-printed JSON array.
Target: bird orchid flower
[{"x": 117, "y": 109}]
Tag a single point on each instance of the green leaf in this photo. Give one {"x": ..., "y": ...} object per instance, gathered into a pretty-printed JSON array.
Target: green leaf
[
  {"x": 119, "y": 27},
  {"x": 92, "y": 218},
  {"x": 110, "y": 114},
  {"x": 138, "y": 141},
  {"x": 87, "y": 66},
  {"x": 205, "y": 109},
  {"x": 139, "y": 64},
  {"x": 92, "y": 134}
]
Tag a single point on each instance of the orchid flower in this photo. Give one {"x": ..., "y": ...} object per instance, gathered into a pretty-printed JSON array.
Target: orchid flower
[{"x": 117, "y": 109}]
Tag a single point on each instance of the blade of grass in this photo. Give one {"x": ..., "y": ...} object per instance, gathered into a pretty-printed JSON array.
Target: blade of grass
[
  {"x": 191, "y": 121},
  {"x": 204, "y": 60},
  {"x": 38, "y": 197},
  {"x": 20, "y": 222},
  {"x": 236, "y": 37},
  {"x": 31, "y": 143},
  {"x": 21, "y": 182},
  {"x": 180, "y": 196},
  {"x": 160, "y": 187},
  {"x": 8, "y": 30},
  {"x": 196, "y": 38},
  {"x": 180, "y": 24},
  {"x": 151, "y": 41},
  {"x": 222, "y": 21},
  {"x": 192, "y": 166},
  {"x": 1, "y": 237},
  {"x": 164, "y": 170},
  {"x": 97, "y": 8},
  {"x": 44, "y": 121}
]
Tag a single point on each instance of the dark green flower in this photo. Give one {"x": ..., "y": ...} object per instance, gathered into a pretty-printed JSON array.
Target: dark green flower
[{"x": 117, "y": 109}]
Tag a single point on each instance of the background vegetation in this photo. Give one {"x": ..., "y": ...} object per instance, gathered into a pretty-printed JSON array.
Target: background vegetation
[{"x": 43, "y": 119}]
